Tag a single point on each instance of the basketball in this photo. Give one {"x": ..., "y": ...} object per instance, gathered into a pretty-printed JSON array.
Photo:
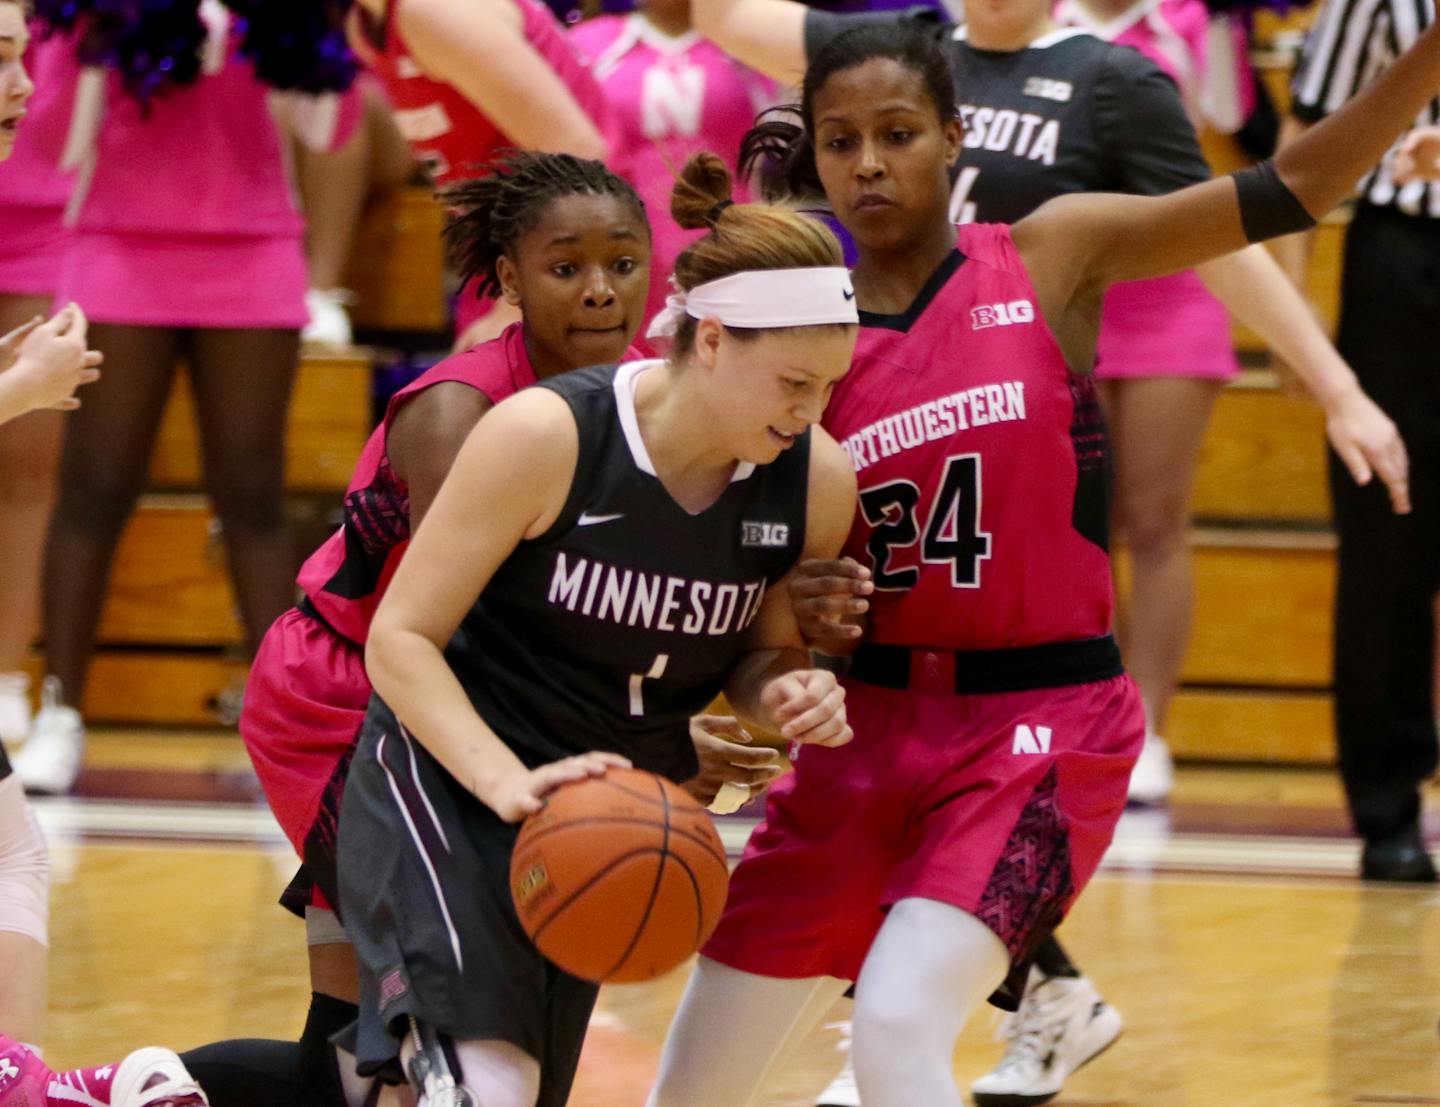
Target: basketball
[{"x": 620, "y": 877}]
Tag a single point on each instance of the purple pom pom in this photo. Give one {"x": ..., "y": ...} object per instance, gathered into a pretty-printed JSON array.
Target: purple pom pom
[
  {"x": 156, "y": 45},
  {"x": 297, "y": 44}
]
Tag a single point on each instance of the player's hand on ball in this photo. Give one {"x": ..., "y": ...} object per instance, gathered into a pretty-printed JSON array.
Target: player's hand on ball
[
  {"x": 721, "y": 743},
  {"x": 828, "y": 598},
  {"x": 807, "y": 705},
  {"x": 523, "y": 792}
]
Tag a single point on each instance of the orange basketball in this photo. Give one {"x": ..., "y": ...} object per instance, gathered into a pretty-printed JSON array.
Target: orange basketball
[{"x": 620, "y": 877}]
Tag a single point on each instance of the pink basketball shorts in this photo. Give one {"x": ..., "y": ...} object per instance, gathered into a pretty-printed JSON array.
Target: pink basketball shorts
[
  {"x": 1001, "y": 804},
  {"x": 304, "y": 704}
]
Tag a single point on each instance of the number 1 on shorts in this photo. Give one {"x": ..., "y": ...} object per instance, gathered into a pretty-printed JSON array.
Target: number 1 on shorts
[{"x": 637, "y": 696}]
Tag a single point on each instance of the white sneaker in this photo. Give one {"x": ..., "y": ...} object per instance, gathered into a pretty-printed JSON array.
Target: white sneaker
[
  {"x": 49, "y": 762},
  {"x": 1062, "y": 1023},
  {"x": 843, "y": 1091},
  {"x": 329, "y": 321},
  {"x": 1153, "y": 778},
  {"x": 155, "y": 1077},
  {"x": 14, "y": 707}
]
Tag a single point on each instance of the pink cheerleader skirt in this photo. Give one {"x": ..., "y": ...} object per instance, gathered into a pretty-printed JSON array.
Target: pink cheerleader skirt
[
  {"x": 31, "y": 251},
  {"x": 161, "y": 280},
  {"x": 1165, "y": 327}
]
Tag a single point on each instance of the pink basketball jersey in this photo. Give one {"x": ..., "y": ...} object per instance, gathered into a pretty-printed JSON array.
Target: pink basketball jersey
[
  {"x": 445, "y": 129},
  {"x": 982, "y": 465},
  {"x": 346, "y": 577},
  {"x": 670, "y": 98}
]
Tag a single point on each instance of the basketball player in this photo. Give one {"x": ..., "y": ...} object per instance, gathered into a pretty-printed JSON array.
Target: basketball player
[
  {"x": 566, "y": 241},
  {"x": 42, "y": 363},
  {"x": 995, "y": 727},
  {"x": 697, "y": 476},
  {"x": 1049, "y": 111}
]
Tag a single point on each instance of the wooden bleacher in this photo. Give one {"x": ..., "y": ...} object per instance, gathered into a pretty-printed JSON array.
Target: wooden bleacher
[
  {"x": 1255, "y": 680},
  {"x": 169, "y": 641}
]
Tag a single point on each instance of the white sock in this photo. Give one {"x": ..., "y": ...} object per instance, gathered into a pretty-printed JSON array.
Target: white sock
[
  {"x": 731, "y": 1030},
  {"x": 930, "y": 966}
]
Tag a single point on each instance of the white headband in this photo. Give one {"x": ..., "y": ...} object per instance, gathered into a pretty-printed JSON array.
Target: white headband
[{"x": 764, "y": 298}]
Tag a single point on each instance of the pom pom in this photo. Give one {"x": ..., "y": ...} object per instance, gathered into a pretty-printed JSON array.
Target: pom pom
[
  {"x": 297, "y": 44},
  {"x": 156, "y": 45},
  {"x": 152, "y": 44}
]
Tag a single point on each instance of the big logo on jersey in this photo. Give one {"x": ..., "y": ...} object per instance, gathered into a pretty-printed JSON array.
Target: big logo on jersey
[{"x": 1001, "y": 315}]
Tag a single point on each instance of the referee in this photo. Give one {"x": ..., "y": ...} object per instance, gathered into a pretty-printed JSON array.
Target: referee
[{"x": 1389, "y": 332}]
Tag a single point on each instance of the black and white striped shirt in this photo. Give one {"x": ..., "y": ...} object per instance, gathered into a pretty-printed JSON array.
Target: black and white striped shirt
[{"x": 1351, "y": 43}]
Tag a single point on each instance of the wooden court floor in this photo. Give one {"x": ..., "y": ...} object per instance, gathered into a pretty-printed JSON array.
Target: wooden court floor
[{"x": 1250, "y": 967}]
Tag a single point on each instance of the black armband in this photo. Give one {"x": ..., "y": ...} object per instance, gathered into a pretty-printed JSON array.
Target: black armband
[{"x": 1268, "y": 208}]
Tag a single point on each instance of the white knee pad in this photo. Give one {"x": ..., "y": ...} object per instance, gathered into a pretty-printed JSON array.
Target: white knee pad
[{"x": 24, "y": 867}]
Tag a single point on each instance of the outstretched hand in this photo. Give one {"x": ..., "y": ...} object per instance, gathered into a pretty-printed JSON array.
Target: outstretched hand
[{"x": 1369, "y": 443}]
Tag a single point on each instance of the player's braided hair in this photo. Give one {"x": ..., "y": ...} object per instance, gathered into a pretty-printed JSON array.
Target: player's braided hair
[
  {"x": 742, "y": 236},
  {"x": 780, "y": 149},
  {"x": 489, "y": 214}
]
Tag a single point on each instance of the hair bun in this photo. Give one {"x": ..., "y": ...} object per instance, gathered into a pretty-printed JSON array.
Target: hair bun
[{"x": 702, "y": 193}]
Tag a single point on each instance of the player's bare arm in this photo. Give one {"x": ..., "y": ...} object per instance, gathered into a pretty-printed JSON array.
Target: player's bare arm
[
  {"x": 480, "y": 48},
  {"x": 509, "y": 483},
  {"x": 425, "y": 438},
  {"x": 1076, "y": 246},
  {"x": 773, "y": 686}
]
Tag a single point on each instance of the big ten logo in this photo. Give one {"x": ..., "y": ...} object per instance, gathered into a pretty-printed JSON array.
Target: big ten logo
[
  {"x": 765, "y": 535},
  {"x": 671, "y": 101},
  {"x": 1002, "y": 315}
]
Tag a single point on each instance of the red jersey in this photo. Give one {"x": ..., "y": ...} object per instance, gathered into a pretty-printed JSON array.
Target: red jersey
[
  {"x": 982, "y": 465},
  {"x": 346, "y": 577},
  {"x": 447, "y": 132}
]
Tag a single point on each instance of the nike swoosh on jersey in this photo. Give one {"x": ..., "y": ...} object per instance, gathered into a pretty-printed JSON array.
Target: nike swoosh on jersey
[{"x": 588, "y": 520}]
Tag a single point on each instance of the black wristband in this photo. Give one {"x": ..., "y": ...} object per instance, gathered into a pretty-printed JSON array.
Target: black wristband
[{"x": 1268, "y": 208}]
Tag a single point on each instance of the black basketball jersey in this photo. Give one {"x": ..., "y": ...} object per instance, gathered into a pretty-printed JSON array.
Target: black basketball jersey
[
  {"x": 1069, "y": 113},
  {"x": 624, "y": 619}
]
